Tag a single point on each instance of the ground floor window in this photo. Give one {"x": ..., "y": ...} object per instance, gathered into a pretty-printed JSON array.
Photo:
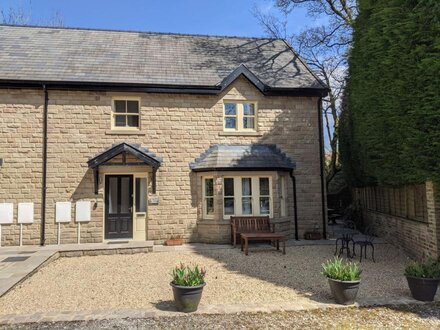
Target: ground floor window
[
  {"x": 247, "y": 195},
  {"x": 208, "y": 197}
]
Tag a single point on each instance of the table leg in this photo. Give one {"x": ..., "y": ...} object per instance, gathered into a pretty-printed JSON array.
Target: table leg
[
  {"x": 241, "y": 243},
  {"x": 284, "y": 246},
  {"x": 246, "y": 246},
  {"x": 278, "y": 244}
]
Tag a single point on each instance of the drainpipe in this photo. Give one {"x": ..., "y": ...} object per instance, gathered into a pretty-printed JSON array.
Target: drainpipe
[
  {"x": 295, "y": 204},
  {"x": 321, "y": 158},
  {"x": 44, "y": 175}
]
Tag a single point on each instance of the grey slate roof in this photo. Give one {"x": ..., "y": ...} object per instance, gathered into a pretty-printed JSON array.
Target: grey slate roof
[
  {"x": 104, "y": 56},
  {"x": 132, "y": 148},
  {"x": 242, "y": 157}
]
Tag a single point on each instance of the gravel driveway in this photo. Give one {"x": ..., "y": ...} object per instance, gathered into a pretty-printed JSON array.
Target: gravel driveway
[
  {"x": 393, "y": 317},
  {"x": 142, "y": 280}
]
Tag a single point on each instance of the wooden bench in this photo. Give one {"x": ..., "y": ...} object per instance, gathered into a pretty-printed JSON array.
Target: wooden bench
[
  {"x": 250, "y": 224},
  {"x": 246, "y": 237}
]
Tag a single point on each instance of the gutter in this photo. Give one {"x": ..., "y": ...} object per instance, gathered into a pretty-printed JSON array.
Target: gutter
[
  {"x": 44, "y": 175},
  {"x": 295, "y": 204},
  {"x": 155, "y": 88},
  {"x": 321, "y": 162}
]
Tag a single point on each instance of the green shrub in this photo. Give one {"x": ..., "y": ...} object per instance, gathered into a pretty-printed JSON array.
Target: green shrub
[
  {"x": 338, "y": 269},
  {"x": 188, "y": 275},
  {"x": 429, "y": 268}
]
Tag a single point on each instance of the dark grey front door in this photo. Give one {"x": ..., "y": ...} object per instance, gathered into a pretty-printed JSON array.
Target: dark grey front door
[{"x": 118, "y": 206}]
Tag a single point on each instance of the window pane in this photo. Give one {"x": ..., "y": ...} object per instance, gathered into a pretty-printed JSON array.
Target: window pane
[
  {"x": 246, "y": 186},
  {"x": 132, "y": 106},
  {"x": 120, "y": 121},
  {"x": 141, "y": 195},
  {"x": 132, "y": 121},
  {"x": 264, "y": 187},
  {"x": 113, "y": 195},
  {"x": 210, "y": 205},
  {"x": 125, "y": 195},
  {"x": 264, "y": 205},
  {"x": 246, "y": 205},
  {"x": 228, "y": 187},
  {"x": 120, "y": 106},
  {"x": 248, "y": 109},
  {"x": 248, "y": 122},
  {"x": 230, "y": 109},
  {"x": 230, "y": 122},
  {"x": 209, "y": 187},
  {"x": 229, "y": 206}
]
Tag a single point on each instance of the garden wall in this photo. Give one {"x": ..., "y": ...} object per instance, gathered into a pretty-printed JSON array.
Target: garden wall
[{"x": 407, "y": 216}]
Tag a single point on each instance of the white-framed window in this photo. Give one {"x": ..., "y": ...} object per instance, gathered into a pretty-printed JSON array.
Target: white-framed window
[
  {"x": 125, "y": 114},
  {"x": 228, "y": 196},
  {"x": 239, "y": 116},
  {"x": 283, "y": 196},
  {"x": 140, "y": 194},
  {"x": 247, "y": 195},
  {"x": 208, "y": 197}
]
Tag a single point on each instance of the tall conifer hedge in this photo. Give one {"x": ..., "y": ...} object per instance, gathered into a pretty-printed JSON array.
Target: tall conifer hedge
[{"x": 390, "y": 126}]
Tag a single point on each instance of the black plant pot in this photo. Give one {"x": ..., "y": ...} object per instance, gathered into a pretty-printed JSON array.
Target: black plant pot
[
  {"x": 423, "y": 289},
  {"x": 187, "y": 298},
  {"x": 344, "y": 292}
]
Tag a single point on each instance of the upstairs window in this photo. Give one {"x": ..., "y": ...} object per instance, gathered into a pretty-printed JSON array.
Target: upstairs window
[
  {"x": 239, "y": 116},
  {"x": 125, "y": 114}
]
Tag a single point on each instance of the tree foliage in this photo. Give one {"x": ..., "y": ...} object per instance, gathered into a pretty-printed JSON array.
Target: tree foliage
[
  {"x": 390, "y": 127},
  {"x": 324, "y": 48},
  {"x": 21, "y": 14}
]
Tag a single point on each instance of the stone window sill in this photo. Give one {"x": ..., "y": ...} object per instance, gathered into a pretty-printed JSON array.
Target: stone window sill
[
  {"x": 110, "y": 132},
  {"x": 240, "y": 134}
]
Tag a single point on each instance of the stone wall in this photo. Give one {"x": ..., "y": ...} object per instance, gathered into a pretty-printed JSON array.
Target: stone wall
[
  {"x": 419, "y": 237},
  {"x": 176, "y": 127}
]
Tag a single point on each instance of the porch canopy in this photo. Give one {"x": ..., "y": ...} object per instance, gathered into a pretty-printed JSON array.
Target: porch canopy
[
  {"x": 144, "y": 156},
  {"x": 255, "y": 157}
]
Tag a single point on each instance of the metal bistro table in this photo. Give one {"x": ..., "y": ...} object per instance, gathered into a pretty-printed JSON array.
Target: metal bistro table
[{"x": 346, "y": 236}]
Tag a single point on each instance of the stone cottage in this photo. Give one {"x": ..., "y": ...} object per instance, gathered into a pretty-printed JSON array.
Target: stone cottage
[{"x": 147, "y": 136}]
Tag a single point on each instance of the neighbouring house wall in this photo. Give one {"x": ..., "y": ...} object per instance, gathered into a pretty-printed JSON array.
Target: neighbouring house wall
[
  {"x": 408, "y": 216},
  {"x": 176, "y": 127}
]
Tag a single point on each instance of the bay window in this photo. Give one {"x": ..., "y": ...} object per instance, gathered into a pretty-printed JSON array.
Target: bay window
[
  {"x": 208, "y": 197},
  {"x": 247, "y": 196}
]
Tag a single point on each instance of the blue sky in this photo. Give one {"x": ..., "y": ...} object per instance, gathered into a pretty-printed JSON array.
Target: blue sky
[{"x": 224, "y": 17}]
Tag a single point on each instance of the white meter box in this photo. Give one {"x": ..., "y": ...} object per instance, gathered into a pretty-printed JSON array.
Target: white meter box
[
  {"x": 63, "y": 211},
  {"x": 83, "y": 211},
  {"x": 25, "y": 212},
  {"x": 6, "y": 213}
]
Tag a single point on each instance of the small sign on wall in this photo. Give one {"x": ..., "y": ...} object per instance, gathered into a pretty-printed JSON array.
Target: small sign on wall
[
  {"x": 83, "y": 211},
  {"x": 6, "y": 213},
  {"x": 153, "y": 200},
  {"x": 63, "y": 211},
  {"x": 25, "y": 212}
]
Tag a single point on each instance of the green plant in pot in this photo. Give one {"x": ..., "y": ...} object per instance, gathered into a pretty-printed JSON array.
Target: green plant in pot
[
  {"x": 423, "y": 278},
  {"x": 187, "y": 283},
  {"x": 344, "y": 279}
]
